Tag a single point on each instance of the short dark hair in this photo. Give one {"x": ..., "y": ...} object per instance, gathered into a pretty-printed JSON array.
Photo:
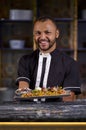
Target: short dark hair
[{"x": 45, "y": 18}]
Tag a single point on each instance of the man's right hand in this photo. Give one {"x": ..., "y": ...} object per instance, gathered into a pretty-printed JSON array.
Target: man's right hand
[{"x": 23, "y": 85}]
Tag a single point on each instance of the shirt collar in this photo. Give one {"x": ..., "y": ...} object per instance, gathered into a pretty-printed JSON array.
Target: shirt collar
[
  {"x": 44, "y": 54},
  {"x": 56, "y": 51}
]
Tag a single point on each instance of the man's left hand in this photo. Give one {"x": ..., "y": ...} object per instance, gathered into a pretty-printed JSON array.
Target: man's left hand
[{"x": 72, "y": 97}]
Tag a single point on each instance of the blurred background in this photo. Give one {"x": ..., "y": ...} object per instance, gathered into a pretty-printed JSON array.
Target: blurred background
[{"x": 16, "y": 23}]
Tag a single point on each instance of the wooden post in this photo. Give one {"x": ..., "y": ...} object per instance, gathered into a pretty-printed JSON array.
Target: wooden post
[
  {"x": 75, "y": 29},
  {"x": 35, "y": 15}
]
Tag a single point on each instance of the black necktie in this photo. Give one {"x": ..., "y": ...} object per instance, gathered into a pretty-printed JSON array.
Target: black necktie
[{"x": 43, "y": 71}]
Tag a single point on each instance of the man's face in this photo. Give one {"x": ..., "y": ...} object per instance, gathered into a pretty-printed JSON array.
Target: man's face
[{"x": 45, "y": 34}]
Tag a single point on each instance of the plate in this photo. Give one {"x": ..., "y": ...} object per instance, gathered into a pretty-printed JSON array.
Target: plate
[{"x": 40, "y": 97}]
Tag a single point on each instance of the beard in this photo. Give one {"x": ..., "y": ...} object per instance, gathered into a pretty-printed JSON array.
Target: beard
[{"x": 49, "y": 44}]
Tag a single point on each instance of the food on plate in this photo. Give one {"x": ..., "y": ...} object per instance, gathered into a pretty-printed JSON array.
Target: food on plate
[{"x": 51, "y": 91}]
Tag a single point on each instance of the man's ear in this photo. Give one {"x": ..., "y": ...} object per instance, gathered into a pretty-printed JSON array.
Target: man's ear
[{"x": 57, "y": 33}]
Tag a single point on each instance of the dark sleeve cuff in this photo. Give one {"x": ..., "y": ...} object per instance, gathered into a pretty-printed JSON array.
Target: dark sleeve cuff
[
  {"x": 22, "y": 79},
  {"x": 76, "y": 90}
]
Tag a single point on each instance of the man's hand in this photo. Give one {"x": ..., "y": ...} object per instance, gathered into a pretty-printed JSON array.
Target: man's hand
[
  {"x": 23, "y": 85},
  {"x": 72, "y": 97}
]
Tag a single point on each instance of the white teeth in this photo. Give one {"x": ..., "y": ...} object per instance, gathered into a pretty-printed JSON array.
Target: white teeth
[{"x": 44, "y": 42}]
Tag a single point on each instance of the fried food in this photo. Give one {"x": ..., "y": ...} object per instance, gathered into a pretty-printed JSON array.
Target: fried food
[{"x": 52, "y": 91}]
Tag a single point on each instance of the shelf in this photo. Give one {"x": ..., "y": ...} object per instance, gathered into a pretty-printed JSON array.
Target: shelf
[
  {"x": 82, "y": 49},
  {"x": 9, "y": 49},
  {"x": 64, "y": 19},
  {"x": 82, "y": 20},
  {"x": 66, "y": 49},
  {"x": 31, "y": 49},
  {"x": 56, "y": 19},
  {"x": 9, "y": 20}
]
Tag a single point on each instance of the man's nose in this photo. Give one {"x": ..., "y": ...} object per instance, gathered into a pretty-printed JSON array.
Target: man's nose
[{"x": 42, "y": 36}]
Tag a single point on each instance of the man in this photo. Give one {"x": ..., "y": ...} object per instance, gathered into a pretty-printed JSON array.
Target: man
[{"x": 59, "y": 69}]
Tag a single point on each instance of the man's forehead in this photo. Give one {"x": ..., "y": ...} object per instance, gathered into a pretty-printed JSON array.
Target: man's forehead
[{"x": 44, "y": 24}]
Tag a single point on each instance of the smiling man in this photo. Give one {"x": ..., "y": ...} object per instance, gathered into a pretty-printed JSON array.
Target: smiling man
[
  {"x": 45, "y": 34},
  {"x": 47, "y": 66}
]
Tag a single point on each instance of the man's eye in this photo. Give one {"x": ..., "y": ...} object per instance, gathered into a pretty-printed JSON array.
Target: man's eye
[
  {"x": 47, "y": 32},
  {"x": 37, "y": 33}
]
